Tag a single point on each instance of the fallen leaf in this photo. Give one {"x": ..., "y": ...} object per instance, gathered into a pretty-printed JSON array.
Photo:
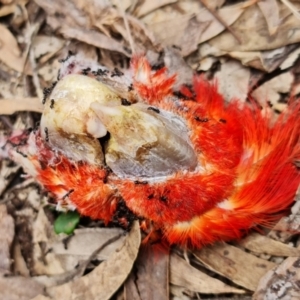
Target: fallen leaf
[
  {"x": 93, "y": 38},
  {"x": 290, "y": 59},
  {"x": 271, "y": 90},
  {"x": 46, "y": 45},
  {"x": 263, "y": 244},
  {"x": 10, "y": 106},
  {"x": 7, "y": 232},
  {"x": 150, "y": 5},
  {"x": 235, "y": 264},
  {"x": 7, "y": 173},
  {"x": 280, "y": 283},
  {"x": 215, "y": 4},
  {"x": 270, "y": 10},
  {"x": 252, "y": 30},
  {"x": 267, "y": 60},
  {"x": 183, "y": 274},
  {"x": 152, "y": 270},
  {"x": 233, "y": 80},
  {"x": 10, "y": 53},
  {"x": 105, "y": 279},
  {"x": 19, "y": 288},
  {"x": 82, "y": 244},
  {"x": 74, "y": 20},
  {"x": 176, "y": 30},
  {"x": 12, "y": 7}
]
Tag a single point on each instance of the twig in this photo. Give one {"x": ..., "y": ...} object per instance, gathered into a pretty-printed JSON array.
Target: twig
[
  {"x": 293, "y": 9},
  {"x": 217, "y": 17},
  {"x": 131, "y": 42}
]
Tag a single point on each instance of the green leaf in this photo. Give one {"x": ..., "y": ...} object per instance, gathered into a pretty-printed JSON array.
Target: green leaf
[{"x": 66, "y": 222}]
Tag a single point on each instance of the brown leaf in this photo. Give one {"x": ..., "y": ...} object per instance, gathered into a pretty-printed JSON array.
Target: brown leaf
[
  {"x": 12, "y": 7},
  {"x": 7, "y": 232},
  {"x": 183, "y": 32},
  {"x": 183, "y": 274},
  {"x": 272, "y": 89},
  {"x": 19, "y": 288},
  {"x": 270, "y": 10},
  {"x": 262, "y": 244},
  {"x": 152, "y": 280},
  {"x": 10, "y": 53},
  {"x": 252, "y": 30},
  {"x": 94, "y": 38},
  {"x": 10, "y": 106},
  {"x": 74, "y": 20},
  {"x": 233, "y": 80},
  {"x": 267, "y": 60},
  {"x": 150, "y": 5},
  {"x": 104, "y": 280},
  {"x": 6, "y": 173},
  {"x": 280, "y": 283},
  {"x": 238, "y": 266},
  {"x": 46, "y": 45}
]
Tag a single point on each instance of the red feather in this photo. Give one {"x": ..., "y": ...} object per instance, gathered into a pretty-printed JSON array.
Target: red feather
[{"x": 247, "y": 170}]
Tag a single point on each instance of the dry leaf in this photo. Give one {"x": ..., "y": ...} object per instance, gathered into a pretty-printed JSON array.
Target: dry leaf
[
  {"x": 238, "y": 266},
  {"x": 233, "y": 80},
  {"x": 10, "y": 106},
  {"x": 46, "y": 45},
  {"x": 183, "y": 274},
  {"x": 152, "y": 280},
  {"x": 71, "y": 19},
  {"x": 105, "y": 279},
  {"x": 7, "y": 232},
  {"x": 263, "y": 60},
  {"x": 6, "y": 174},
  {"x": 215, "y": 4},
  {"x": 290, "y": 59},
  {"x": 270, "y": 10},
  {"x": 93, "y": 38},
  {"x": 150, "y": 5},
  {"x": 230, "y": 14},
  {"x": 19, "y": 288},
  {"x": 12, "y": 7},
  {"x": 183, "y": 32},
  {"x": 262, "y": 244},
  {"x": 271, "y": 90},
  {"x": 280, "y": 283},
  {"x": 83, "y": 243},
  {"x": 252, "y": 30},
  {"x": 10, "y": 53},
  {"x": 188, "y": 30}
]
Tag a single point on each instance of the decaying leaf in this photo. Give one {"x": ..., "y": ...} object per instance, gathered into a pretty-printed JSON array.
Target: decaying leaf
[
  {"x": 6, "y": 237},
  {"x": 151, "y": 280},
  {"x": 10, "y": 106},
  {"x": 270, "y": 11},
  {"x": 183, "y": 274},
  {"x": 254, "y": 33},
  {"x": 150, "y": 5},
  {"x": 281, "y": 282},
  {"x": 177, "y": 27},
  {"x": 10, "y": 52},
  {"x": 104, "y": 280},
  {"x": 238, "y": 266},
  {"x": 263, "y": 244},
  {"x": 233, "y": 80},
  {"x": 6, "y": 174},
  {"x": 271, "y": 90},
  {"x": 19, "y": 288}
]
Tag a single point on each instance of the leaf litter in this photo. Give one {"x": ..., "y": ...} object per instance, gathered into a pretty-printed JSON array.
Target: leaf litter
[{"x": 250, "y": 51}]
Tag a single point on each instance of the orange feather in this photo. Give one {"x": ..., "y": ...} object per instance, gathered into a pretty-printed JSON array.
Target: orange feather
[{"x": 247, "y": 170}]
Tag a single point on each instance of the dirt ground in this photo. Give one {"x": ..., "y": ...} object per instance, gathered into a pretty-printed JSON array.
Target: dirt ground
[{"x": 250, "y": 47}]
